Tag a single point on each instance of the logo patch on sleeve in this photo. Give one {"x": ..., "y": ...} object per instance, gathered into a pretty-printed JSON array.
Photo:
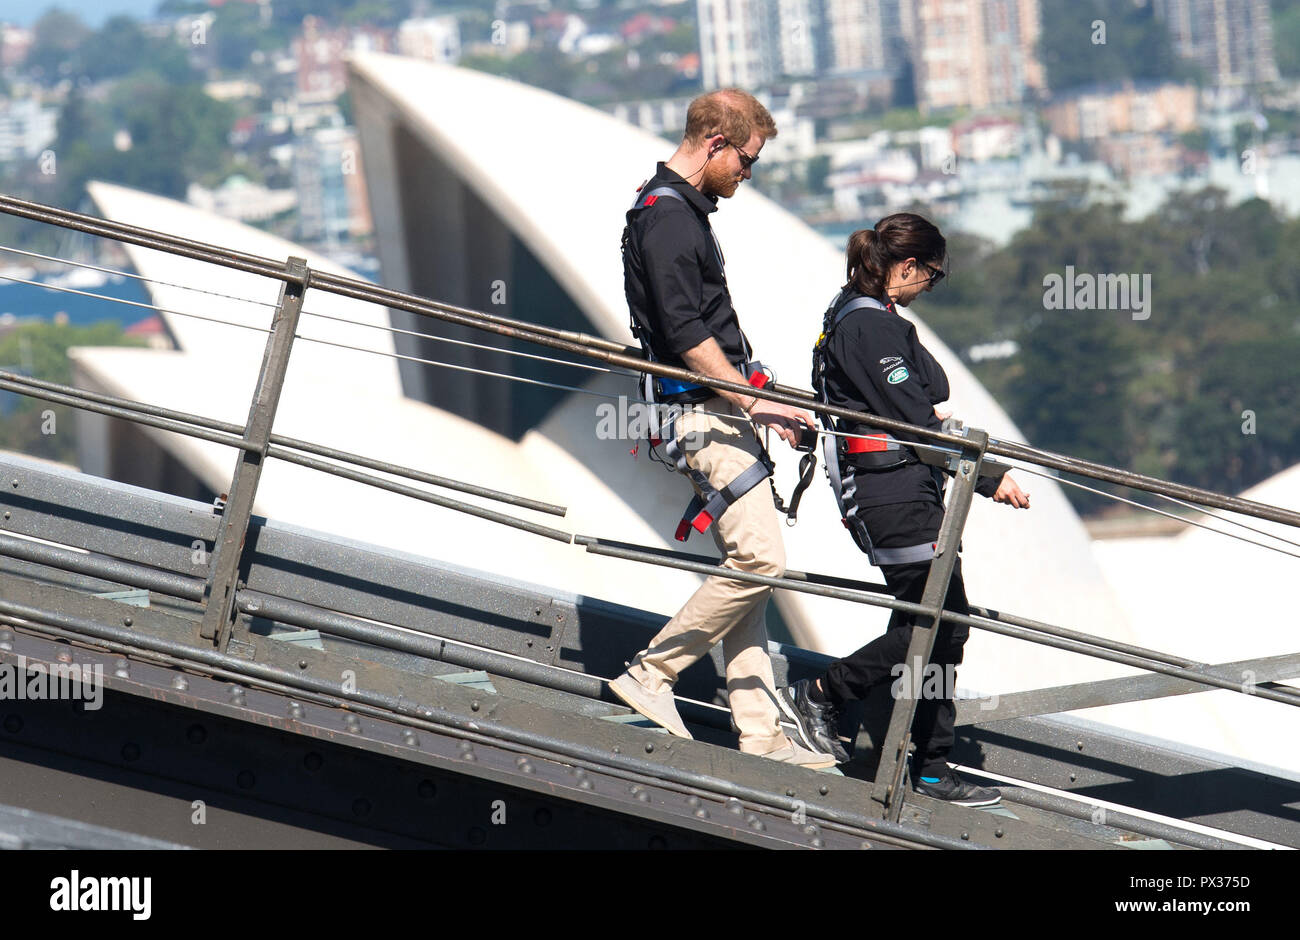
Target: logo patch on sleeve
[{"x": 898, "y": 375}]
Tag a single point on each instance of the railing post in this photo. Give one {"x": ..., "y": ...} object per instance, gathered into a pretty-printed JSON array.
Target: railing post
[
  {"x": 888, "y": 787},
  {"x": 219, "y": 593}
]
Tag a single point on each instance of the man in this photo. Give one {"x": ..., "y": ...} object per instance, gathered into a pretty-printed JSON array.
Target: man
[{"x": 682, "y": 313}]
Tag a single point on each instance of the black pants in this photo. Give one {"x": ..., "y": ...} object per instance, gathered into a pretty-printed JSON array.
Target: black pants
[{"x": 896, "y": 526}]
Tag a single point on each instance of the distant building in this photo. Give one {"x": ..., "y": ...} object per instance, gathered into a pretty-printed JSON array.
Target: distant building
[
  {"x": 863, "y": 35},
  {"x": 974, "y": 53},
  {"x": 986, "y": 137},
  {"x": 319, "y": 53},
  {"x": 1096, "y": 113},
  {"x": 435, "y": 38},
  {"x": 26, "y": 128},
  {"x": 14, "y": 45},
  {"x": 1135, "y": 155},
  {"x": 239, "y": 198},
  {"x": 1232, "y": 42},
  {"x": 739, "y": 43},
  {"x": 327, "y": 175}
]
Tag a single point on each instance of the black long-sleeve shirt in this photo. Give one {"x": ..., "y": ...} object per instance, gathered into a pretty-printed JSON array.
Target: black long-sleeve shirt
[
  {"x": 876, "y": 363},
  {"x": 673, "y": 275}
]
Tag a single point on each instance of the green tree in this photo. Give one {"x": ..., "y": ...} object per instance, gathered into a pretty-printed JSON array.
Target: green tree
[
  {"x": 40, "y": 350},
  {"x": 57, "y": 37},
  {"x": 1136, "y": 46}
]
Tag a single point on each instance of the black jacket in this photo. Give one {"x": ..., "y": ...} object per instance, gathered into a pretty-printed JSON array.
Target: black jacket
[
  {"x": 673, "y": 275},
  {"x": 876, "y": 363}
]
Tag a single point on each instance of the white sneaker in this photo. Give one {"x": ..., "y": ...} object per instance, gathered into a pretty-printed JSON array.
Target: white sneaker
[
  {"x": 800, "y": 756},
  {"x": 660, "y": 708}
]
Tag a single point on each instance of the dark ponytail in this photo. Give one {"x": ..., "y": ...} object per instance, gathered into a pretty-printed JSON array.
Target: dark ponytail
[{"x": 873, "y": 251}]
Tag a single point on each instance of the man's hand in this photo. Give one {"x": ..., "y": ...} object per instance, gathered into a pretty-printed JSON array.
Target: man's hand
[
  {"x": 942, "y": 413},
  {"x": 784, "y": 419},
  {"x": 1009, "y": 492}
]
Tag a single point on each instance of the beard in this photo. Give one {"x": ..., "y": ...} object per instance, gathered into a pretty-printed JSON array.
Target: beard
[{"x": 718, "y": 182}]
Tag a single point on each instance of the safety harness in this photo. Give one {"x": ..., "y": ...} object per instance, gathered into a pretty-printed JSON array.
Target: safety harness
[
  {"x": 710, "y": 502},
  {"x": 873, "y": 451}
]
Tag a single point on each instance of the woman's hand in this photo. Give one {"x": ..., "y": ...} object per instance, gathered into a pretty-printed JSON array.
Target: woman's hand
[{"x": 1009, "y": 492}]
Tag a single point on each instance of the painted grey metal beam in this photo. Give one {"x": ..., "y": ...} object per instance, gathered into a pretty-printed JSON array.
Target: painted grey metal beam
[
  {"x": 1264, "y": 672},
  {"x": 219, "y": 595},
  {"x": 127, "y": 522},
  {"x": 888, "y": 788}
]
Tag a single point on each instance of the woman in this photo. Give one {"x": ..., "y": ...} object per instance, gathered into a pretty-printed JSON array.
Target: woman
[{"x": 870, "y": 359}]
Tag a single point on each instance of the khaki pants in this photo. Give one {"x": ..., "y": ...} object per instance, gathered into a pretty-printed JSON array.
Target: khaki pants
[{"x": 748, "y": 535}]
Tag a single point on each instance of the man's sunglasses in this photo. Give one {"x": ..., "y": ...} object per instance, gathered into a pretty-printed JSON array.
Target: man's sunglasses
[{"x": 746, "y": 161}]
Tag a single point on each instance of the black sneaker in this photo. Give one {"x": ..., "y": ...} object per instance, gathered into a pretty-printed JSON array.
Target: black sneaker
[
  {"x": 952, "y": 789},
  {"x": 815, "y": 722}
]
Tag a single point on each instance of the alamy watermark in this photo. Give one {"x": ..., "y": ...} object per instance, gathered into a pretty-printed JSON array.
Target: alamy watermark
[
  {"x": 635, "y": 420},
  {"x": 1081, "y": 291},
  {"x": 933, "y": 681},
  {"x": 24, "y": 681}
]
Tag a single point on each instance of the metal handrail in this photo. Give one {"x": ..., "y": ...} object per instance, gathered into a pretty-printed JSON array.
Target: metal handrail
[{"x": 610, "y": 352}]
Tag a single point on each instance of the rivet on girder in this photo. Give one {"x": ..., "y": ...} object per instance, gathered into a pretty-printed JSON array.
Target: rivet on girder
[
  {"x": 817, "y": 844},
  {"x": 811, "y": 829},
  {"x": 757, "y": 826},
  {"x": 1079, "y": 745},
  {"x": 127, "y": 621},
  {"x": 14, "y": 483},
  {"x": 617, "y": 749},
  {"x": 1073, "y": 777},
  {"x": 295, "y": 711},
  {"x": 823, "y": 789},
  {"x": 65, "y": 655},
  {"x": 409, "y": 739},
  {"x": 121, "y": 669},
  {"x": 789, "y": 791},
  {"x": 997, "y": 833},
  {"x": 473, "y": 706},
  {"x": 302, "y": 664},
  {"x": 692, "y": 801},
  {"x": 649, "y": 748},
  {"x": 584, "y": 785},
  {"x": 701, "y": 813},
  {"x": 6, "y": 640},
  {"x": 643, "y": 796},
  {"x": 965, "y": 836},
  {"x": 353, "y": 723},
  {"x": 735, "y": 806}
]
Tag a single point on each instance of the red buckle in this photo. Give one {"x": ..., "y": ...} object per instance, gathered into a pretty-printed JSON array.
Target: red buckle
[
  {"x": 702, "y": 521},
  {"x": 651, "y": 200},
  {"x": 872, "y": 443},
  {"x": 655, "y": 442},
  {"x": 758, "y": 379},
  {"x": 683, "y": 530}
]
